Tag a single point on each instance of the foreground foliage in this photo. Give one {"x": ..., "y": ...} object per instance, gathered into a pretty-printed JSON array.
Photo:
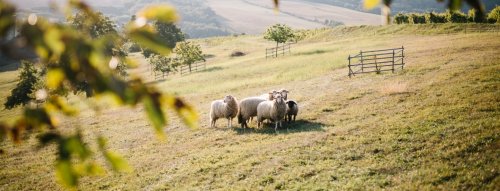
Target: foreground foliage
[{"x": 72, "y": 58}]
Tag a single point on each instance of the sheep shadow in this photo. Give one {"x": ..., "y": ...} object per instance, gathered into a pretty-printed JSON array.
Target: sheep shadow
[{"x": 293, "y": 127}]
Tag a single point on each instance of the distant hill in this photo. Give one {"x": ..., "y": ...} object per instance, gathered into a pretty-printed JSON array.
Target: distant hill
[
  {"x": 197, "y": 19},
  {"x": 254, "y": 16}
]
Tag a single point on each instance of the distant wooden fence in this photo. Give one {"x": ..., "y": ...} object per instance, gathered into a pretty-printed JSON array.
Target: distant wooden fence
[
  {"x": 276, "y": 51},
  {"x": 195, "y": 67},
  {"x": 481, "y": 29},
  {"x": 376, "y": 61},
  {"x": 160, "y": 74}
]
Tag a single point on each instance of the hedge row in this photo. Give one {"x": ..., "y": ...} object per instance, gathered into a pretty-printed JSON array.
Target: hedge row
[{"x": 448, "y": 17}]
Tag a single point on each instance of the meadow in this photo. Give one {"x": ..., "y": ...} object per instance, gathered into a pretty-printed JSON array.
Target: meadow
[{"x": 431, "y": 126}]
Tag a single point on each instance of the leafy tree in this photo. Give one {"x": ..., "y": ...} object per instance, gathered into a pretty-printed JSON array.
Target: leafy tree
[
  {"x": 188, "y": 53},
  {"x": 163, "y": 64},
  {"x": 280, "y": 33},
  {"x": 169, "y": 33},
  {"x": 98, "y": 26},
  {"x": 21, "y": 94},
  {"x": 494, "y": 15},
  {"x": 71, "y": 57}
]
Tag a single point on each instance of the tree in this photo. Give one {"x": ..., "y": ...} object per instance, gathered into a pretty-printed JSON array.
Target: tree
[
  {"x": 169, "y": 33},
  {"x": 188, "y": 53},
  {"x": 21, "y": 94},
  {"x": 96, "y": 25},
  {"x": 69, "y": 57},
  {"x": 163, "y": 64},
  {"x": 494, "y": 15},
  {"x": 280, "y": 33}
]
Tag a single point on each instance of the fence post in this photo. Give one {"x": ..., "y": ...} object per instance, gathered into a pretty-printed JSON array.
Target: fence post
[
  {"x": 349, "y": 65},
  {"x": 361, "y": 58},
  {"x": 393, "y": 60},
  {"x": 376, "y": 65},
  {"x": 402, "y": 57}
]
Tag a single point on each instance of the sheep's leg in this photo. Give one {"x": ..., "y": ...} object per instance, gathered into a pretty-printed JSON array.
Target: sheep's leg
[
  {"x": 276, "y": 127},
  {"x": 294, "y": 117},
  {"x": 228, "y": 123}
]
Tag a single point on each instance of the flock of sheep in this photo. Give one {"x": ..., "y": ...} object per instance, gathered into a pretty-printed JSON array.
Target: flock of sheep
[{"x": 273, "y": 106}]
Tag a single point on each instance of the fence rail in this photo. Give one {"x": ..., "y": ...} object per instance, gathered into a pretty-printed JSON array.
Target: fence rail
[
  {"x": 195, "y": 67},
  {"x": 276, "y": 51},
  {"x": 376, "y": 61},
  {"x": 481, "y": 29}
]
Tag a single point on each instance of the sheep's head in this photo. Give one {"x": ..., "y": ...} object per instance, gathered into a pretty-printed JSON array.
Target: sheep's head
[
  {"x": 278, "y": 98},
  {"x": 228, "y": 98},
  {"x": 284, "y": 93},
  {"x": 271, "y": 94}
]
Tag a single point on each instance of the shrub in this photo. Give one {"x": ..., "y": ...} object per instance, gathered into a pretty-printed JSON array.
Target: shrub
[
  {"x": 456, "y": 17},
  {"x": 416, "y": 18},
  {"x": 401, "y": 19},
  {"x": 494, "y": 15},
  {"x": 435, "y": 18}
]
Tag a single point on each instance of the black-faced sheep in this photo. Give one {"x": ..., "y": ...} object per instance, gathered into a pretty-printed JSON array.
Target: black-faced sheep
[
  {"x": 248, "y": 109},
  {"x": 226, "y": 108},
  {"x": 291, "y": 110},
  {"x": 274, "y": 110}
]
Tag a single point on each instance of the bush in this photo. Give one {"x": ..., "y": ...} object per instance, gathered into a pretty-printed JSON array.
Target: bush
[
  {"x": 435, "y": 18},
  {"x": 21, "y": 94},
  {"x": 416, "y": 18},
  {"x": 456, "y": 17},
  {"x": 494, "y": 15},
  {"x": 401, "y": 19}
]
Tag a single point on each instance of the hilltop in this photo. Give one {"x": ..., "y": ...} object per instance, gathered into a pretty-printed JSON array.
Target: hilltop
[{"x": 433, "y": 125}]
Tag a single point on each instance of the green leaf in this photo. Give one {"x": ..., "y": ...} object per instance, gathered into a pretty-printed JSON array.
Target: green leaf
[
  {"x": 370, "y": 4},
  {"x": 53, "y": 39},
  {"x": 65, "y": 174},
  {"x": 155, "y": 114},
  {"x": 117, "y": 162},
  {"x": 75, "y": 145},
  {"x": 185, "y": 111},
  {"x": 163, "y": 13},
  {"x": 146, "y": 37}
]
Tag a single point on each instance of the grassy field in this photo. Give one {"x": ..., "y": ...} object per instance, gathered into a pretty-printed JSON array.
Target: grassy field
[{"x": 432, "y": 126}]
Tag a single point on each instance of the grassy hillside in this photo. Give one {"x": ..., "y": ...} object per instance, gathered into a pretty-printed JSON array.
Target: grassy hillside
[{"x": 432, "y": 126}]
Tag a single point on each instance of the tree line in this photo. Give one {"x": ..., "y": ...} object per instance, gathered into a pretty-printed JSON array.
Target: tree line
[{"x": 447, "y": 17}]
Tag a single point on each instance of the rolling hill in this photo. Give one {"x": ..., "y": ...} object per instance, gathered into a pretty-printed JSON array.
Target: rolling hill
[{"x": 431, "y": 126}]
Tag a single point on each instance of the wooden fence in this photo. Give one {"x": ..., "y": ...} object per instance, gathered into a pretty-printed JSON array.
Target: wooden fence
[
  {"x": 376, "y": 61},
  {"x": 195, "y": 67},
  {"x": 481, "y": 29},
  {"x": 160, "y": 74},
  {"x": 276, "y": 51}
]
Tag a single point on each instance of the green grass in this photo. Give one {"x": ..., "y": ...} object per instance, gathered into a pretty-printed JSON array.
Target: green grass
[{"x": 432, "y": 126}]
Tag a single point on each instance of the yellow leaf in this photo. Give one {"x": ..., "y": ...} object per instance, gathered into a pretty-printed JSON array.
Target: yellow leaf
[
  {"x": 53, "y": 39},
  {"x": 54, "y": 78},
  {"x": 163, "y": 13},
  {"x": 370, "y": 4}
]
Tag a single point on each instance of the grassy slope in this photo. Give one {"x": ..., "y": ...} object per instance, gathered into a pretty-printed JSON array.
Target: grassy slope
[{"x": 431, "y": 126}]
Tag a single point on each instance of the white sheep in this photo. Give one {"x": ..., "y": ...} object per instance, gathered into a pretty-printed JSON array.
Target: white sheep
[
  {"x": 269, "y": 96},
  {"x": 284, "y": 93},
  {"x": 248, "y": 109},
  {"x": 226, "y": 108},
  {"x": 292, "y": 108},
  {"x": 274, "y": 110}
]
